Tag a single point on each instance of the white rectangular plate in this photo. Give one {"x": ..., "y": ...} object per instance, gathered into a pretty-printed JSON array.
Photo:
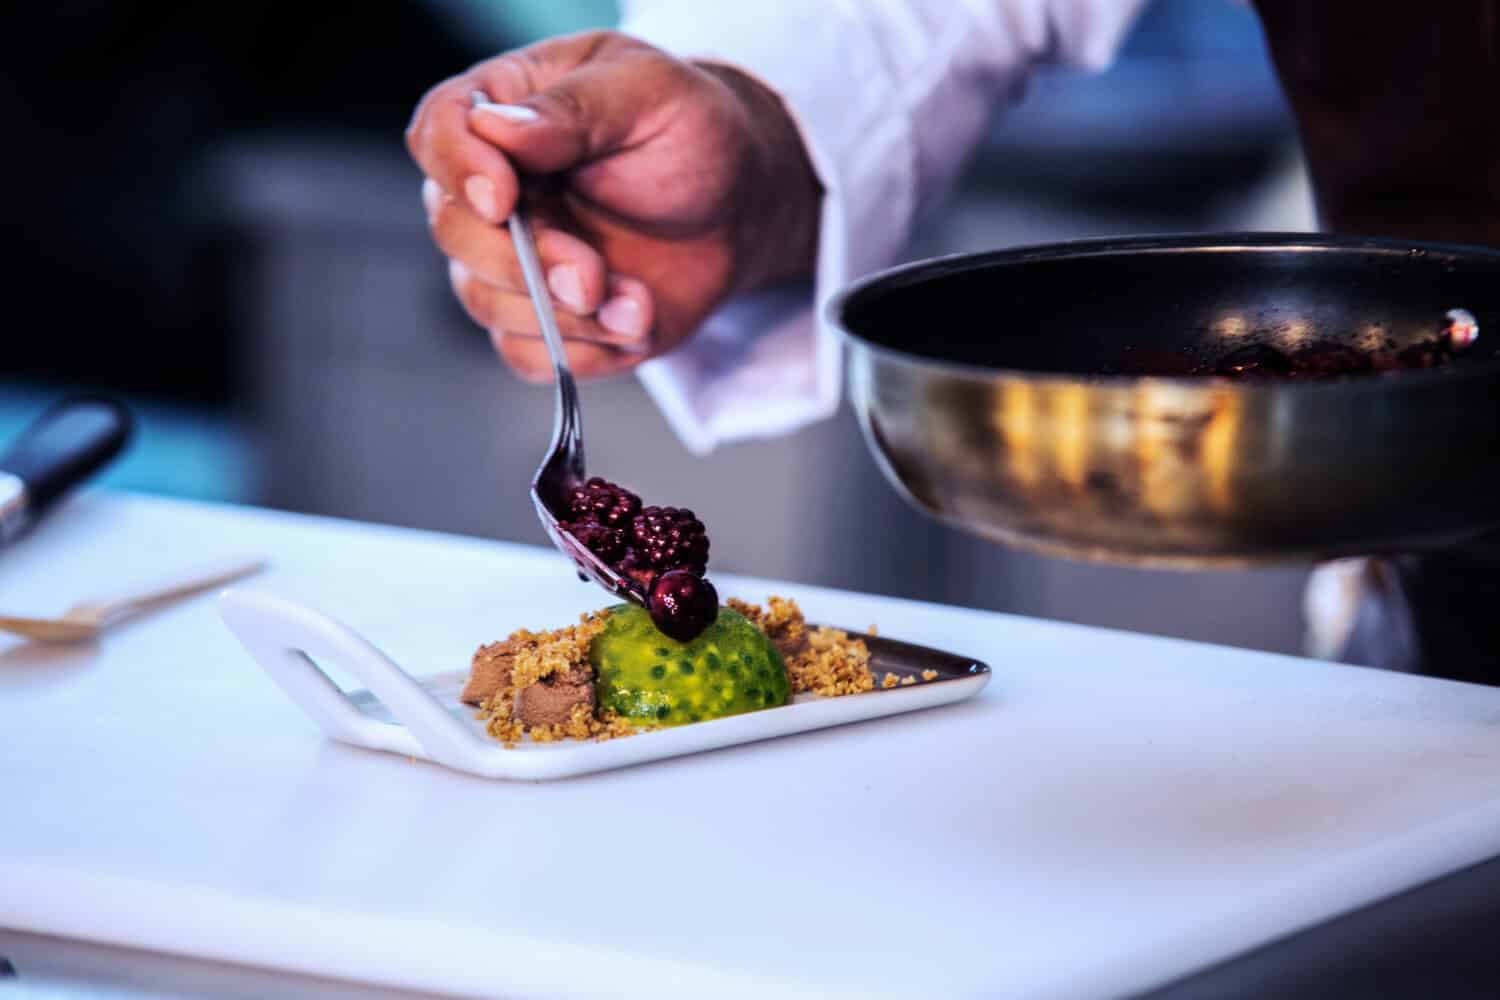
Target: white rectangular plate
[{"x": 423, "y": 717}]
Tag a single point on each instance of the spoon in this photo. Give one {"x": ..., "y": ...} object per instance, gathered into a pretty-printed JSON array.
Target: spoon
[
  {"x": 87, "y": 620},
  {"x": 561, "y": 470}
]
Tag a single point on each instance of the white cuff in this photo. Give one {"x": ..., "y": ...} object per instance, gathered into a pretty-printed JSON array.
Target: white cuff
[{"x": 751, "y": 371}]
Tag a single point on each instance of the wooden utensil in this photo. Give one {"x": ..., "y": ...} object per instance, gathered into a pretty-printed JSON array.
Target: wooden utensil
[{"x": 88, "y": 619}]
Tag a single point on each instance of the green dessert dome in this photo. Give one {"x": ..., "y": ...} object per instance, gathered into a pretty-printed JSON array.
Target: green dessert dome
[{"x": 645, "y": 677}]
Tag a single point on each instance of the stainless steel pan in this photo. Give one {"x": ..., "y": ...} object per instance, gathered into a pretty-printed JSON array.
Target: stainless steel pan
[{"x": 983, "y": 385}]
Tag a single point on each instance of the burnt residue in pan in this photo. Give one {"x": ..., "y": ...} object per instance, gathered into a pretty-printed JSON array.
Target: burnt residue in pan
[{"x": 1259, "y": 360}]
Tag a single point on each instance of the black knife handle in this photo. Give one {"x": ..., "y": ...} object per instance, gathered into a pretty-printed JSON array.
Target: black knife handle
[{"x": 67, "y": 444}]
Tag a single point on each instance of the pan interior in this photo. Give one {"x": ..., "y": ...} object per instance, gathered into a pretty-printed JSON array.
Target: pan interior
[{"x": 1151, "y": 307}]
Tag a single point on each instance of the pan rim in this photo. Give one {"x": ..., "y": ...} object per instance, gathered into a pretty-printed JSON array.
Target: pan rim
[{"x": 1165, "y": 244}]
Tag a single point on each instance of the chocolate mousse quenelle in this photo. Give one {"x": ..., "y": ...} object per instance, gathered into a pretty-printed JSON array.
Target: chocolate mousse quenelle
[{"x": 663, "y": 549}]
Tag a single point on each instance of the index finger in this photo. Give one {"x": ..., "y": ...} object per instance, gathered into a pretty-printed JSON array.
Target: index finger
[{"x": 462, "y": 164}]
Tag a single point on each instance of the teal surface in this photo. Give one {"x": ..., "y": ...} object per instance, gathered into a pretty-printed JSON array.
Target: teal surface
[
  {"x": 193, "y": 452},
  {"x": 505, "y": 23}
]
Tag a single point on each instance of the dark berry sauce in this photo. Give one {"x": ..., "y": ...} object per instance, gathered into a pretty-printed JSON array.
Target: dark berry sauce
[{"x": 1262, "y": 362}]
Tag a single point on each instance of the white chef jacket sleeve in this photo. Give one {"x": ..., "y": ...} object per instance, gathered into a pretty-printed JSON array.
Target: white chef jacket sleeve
[{"x": 890, "y": 97}]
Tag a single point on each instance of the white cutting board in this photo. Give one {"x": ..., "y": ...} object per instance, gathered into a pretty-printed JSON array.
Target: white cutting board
[{"x": 1112, "y": 811}]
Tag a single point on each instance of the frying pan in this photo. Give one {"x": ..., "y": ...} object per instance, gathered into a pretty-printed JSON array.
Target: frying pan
[{"x": 993, "y": 392}]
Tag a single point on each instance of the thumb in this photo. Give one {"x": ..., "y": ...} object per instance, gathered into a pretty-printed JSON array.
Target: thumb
[{"x": 586, "y": 113}]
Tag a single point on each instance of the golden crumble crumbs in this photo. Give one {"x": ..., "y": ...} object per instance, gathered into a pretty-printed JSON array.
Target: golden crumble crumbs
[
  {"x": 558, "y": 656},
  {"x": 891, "y": 680},
  {"x": 823, "y": 661},
  {"x": 583, "y": 724},
  {"x": 781, "y": 620},
  {"x": 834, "y": 664},
  {"x": 539, "y": 655}
]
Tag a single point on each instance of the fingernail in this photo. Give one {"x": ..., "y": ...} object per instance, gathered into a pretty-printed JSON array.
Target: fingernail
[
  {"x": 480, "y": 191},
  {"x": 457, "y": 273},
  {"x": 510, "y": 112},
  {"x": 623, "y": 315},
  {"x": 432, "y": 197},
  {"x": 567, "y": 286}
]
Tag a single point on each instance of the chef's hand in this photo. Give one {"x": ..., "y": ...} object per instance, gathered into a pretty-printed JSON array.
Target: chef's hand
[{"x": 668, "y": 187}]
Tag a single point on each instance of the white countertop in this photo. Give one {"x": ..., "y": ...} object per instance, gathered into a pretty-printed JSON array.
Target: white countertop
[{"x": 1111, "y": 812}]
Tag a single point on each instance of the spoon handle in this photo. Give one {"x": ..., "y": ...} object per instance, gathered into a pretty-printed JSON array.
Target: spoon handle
[
  {"x": 536, "y": 287},
  {"x": 567, "y": 431},
  {"x": 112, "y": 609}
]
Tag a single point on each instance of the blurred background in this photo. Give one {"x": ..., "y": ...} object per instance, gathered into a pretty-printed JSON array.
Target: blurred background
[{"x": 217, "y": 221}]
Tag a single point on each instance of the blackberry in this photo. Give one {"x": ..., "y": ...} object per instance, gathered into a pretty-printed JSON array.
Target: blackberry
[
  {"x": 1331, "y": 360},
  {"x": 682, "y": 605},
  {"x": 646, "y": 546},
  {"x": 604, "y": 502},
  {"x": 608, "y": 543},
  {"x": 1427, "y": 353},
  {"x": 633, "y": 565},
  {"x": 668, "y": 538},
  {"x": 1254, "y": 361}
]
